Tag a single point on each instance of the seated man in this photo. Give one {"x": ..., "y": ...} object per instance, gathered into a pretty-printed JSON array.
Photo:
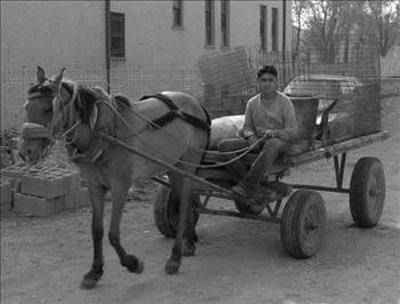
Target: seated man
[{"x": 269, "y": 115}]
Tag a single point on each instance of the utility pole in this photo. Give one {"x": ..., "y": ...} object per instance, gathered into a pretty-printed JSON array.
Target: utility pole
[
  {"x": 284, "y": 40},
  {"x": 107, "y": 42}
]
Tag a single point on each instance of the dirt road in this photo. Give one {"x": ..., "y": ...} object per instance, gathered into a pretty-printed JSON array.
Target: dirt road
[{"x": 237, "y": 261}]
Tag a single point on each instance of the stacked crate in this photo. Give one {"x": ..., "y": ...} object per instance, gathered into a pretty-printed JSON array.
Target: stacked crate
[{"x": 44, "y": 190}]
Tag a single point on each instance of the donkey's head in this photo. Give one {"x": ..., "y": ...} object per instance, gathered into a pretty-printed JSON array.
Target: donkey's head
[
  {"x": 47, "y": 101},
  {"x": 54, "y": 106},
  {"x": 39, "y": 110}
]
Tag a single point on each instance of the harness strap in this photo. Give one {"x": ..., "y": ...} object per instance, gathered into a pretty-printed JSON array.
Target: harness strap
[
  {"x": 164, "y": 98},
  {"x": 165, "y": 119},
  {"x": 93, "y": 154},
  {"x": 174, "y": 112}
]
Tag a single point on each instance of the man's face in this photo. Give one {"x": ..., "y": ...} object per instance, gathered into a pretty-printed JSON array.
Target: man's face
[{"x": 267, "y": 83}]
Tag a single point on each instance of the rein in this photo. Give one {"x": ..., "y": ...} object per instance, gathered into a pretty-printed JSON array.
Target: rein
[
  {"x": 153, "y": 124},
  {"x": 137, "y": 133},
  {"x": 97, "y": 151}
]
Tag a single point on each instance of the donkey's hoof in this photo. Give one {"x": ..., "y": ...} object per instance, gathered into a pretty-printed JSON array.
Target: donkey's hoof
[
  {"x": 172, "y": 267},
  {"x": 88, "y": 283},
  {"x": 133, "y": 264},
  {"x": 189, "y": 249},
  {"x": 140, "y": 268},
  {"x": 90, "y": 279}
]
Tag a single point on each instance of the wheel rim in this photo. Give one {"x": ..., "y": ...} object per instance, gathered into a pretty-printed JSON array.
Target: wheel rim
[{"x": 310, "y": 228}]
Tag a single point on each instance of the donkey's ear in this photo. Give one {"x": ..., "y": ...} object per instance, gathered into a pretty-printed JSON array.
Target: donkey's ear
[
  {"x": 93, "y": 117},
  {"x": 59, "y": 77},
  {"x": 40, "y": 75}
]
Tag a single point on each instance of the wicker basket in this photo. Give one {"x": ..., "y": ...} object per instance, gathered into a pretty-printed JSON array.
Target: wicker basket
[{"x": 306, "y": 109}]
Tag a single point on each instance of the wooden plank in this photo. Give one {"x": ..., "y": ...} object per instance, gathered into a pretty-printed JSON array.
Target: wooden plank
[
  {"x": 169, "y": 166},
  {"x": 260, "y": 217},
  {"x": 336, "y": 149},
  {"x": 313, "y": 155}
]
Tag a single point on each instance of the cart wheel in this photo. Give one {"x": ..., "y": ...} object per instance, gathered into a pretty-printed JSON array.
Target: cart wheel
[
  {"x": 302, "y": 224},
  {"x": 166, "y": 211},
  {"x": 367, "y": 192}
]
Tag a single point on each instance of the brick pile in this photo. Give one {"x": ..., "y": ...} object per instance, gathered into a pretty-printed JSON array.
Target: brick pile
[
  {"x": 41, "y": 190},
  {"x": 5, "y": 194}
]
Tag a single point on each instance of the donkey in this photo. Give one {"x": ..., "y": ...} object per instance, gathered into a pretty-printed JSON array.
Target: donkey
[{"x": 60, "y": 105}]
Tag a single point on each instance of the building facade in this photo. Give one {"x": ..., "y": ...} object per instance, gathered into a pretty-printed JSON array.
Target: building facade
[
  {"x": 53, "y": 34},
  {"x": 174, "y": 34},
  {"x": 143, "y": 46}
]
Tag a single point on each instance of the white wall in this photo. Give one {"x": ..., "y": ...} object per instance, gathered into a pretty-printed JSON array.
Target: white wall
[
  {"x": 152, "y": 42},
  {"x": 53, "y": 34},
  {"x": 71, "y": 34},
  {"x": 64, "y": 33},
  {"x": 150, "y": 39}
]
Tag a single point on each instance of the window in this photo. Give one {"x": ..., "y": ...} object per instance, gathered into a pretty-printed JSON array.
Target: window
[
  {"x": 274, "y": 29},
  {"x": 117, "y": 35},
  {"x": 263, "y": 27},
  {"x": 210, "y": 31},
  {"x": 225, "y": 23},
  {"x": 177, "y": 11}
]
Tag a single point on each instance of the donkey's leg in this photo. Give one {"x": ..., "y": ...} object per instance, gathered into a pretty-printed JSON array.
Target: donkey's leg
[
  {"x": 174, "y": 262},
  {"x": 131, "y": 262},
  {"x": 91, "y": 278},
  {"x": 190, "y": 236}
]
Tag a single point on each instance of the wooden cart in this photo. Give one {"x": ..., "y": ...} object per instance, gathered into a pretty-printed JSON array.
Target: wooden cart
[{"x": 303, "y": 216}]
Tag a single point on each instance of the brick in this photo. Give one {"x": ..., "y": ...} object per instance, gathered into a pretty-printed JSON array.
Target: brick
[
  {"x": 44, "y": 184},
  {"x": 59, "y": 204},
  {"x": 34, "y": 205},
  {"x": 70, "y": 200},
  {"x": 5, "y": 195},
  {"x": 73, "y": 200},
  {"x": 82, "y": 199},
  {"x": 16, "y": 185},
  {"x": 72, "y": 182},
  {"x": 76, "y": 199},
  {"x": 17, "y": 171},
  {"x": 5, "y": 207}
]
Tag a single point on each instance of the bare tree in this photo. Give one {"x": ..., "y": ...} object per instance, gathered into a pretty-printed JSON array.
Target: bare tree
[
  {"x": 328, "y": 27},
  {"x": 384, "y": 24},
  {"x": 298, "y": 9}
]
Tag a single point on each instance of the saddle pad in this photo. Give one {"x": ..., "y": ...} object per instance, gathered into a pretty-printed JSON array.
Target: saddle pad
[
  {"x": 229, "y": 126},
  {"x": 223, "y": 128}
]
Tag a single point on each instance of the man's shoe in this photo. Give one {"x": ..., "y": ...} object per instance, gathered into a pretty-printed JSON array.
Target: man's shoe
[
  {"x": 281, "y": 189},
  {"x": 246, "y": 200},
  {"x": 239, "y": 190}
]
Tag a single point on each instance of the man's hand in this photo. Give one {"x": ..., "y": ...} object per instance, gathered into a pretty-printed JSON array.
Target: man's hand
[
  {"x": 270, "y": 133},
  {"x": 252, "y": 139}
]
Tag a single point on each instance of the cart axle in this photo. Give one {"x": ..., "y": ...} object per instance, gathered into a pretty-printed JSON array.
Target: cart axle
[{"x": 260, "y": 217}]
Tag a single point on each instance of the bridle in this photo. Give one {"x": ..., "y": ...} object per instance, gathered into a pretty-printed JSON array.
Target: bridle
[
  {"x": 38, "y": 131},
  {"x": 64, "y": 111},
  {"x": 59, "y": 109}
]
